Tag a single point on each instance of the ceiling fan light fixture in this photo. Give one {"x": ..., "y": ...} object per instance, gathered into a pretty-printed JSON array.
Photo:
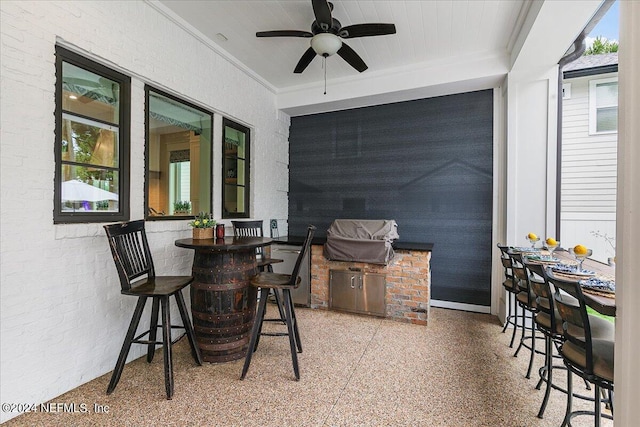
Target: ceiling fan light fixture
[{"x": 326, "y": 44}]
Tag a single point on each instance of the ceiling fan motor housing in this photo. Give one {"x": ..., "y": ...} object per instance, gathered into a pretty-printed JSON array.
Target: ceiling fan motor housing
[{"x": 326, "y": 44}]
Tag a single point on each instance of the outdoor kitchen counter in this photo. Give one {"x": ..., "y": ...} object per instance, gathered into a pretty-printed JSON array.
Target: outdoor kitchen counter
[{"x": 408, "y": 277}]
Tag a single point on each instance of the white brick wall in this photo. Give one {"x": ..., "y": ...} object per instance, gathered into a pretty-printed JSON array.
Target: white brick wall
[{"x": 62, "y": 316}]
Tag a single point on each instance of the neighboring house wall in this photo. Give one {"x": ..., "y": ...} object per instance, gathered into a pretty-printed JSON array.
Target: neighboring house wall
[
  {"x": 63, "y": 318},
  {"x": 588, "y": 189}
]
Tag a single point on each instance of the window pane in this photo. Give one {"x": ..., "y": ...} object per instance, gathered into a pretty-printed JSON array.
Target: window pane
[
  {"x": 90, "y": 94},
  {"x": 606, "y": 94},
  {"x": 84, "y": 141},
  {"x": 235, "y": 170},
  {"x": 607, "y": 119},
  {"x": 179, "y": 157},
  {"x": 86, "y": 189},
  {"x": 234, "y": 199}
]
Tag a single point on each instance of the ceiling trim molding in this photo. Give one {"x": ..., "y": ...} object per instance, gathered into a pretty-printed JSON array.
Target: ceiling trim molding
[
  {"x": 435, "y": 78},
  {"x": 190, "y": 29},
  {"x": 396, "y": 73},
  {"x": 519, "y": 25}
]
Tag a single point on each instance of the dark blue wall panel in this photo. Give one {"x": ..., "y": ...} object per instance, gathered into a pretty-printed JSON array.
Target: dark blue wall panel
[{"x": 426, "y": 163}]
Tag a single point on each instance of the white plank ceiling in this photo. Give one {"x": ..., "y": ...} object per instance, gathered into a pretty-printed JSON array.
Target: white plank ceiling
[{"x": 427, "y": 31}]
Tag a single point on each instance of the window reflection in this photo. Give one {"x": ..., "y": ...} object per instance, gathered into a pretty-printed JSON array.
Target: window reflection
[
  {"x": 89, "y": 144},
  {"x": 178, "y": 157}
]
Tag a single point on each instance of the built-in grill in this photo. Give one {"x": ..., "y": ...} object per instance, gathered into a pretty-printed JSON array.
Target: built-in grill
[{"x": 361, "y": 240}]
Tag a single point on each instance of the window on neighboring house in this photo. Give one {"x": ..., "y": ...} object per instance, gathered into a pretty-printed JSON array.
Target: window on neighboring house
[
  {"x": 235, "y": 170},
  {"x": 92, "y": 141},
  {"x": 603, "y": 106},
  {"x": 178, "y": 157}
]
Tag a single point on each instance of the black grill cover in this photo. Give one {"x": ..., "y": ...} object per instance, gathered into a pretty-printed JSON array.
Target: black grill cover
[{"x": 361, "y": 240}]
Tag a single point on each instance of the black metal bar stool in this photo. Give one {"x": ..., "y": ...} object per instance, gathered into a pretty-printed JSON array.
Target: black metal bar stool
[
  {"x": 131, "y": 254},
  {"x": 588, "y": 347},
  {"x": 527, "y": 302},
  {"x": 509, "y": 285},
  {"x": 285, "y": 282}
]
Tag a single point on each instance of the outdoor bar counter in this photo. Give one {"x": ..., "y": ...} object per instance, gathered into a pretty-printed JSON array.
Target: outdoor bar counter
[
  {"x": 407, "y": 274},
  {"x": 223, "y": 302}
]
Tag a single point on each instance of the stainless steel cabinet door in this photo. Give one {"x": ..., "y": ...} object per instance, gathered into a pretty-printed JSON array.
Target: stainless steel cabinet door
[
  {"x": 372, "y": 294},
  {"x": 342, "y": 292}
]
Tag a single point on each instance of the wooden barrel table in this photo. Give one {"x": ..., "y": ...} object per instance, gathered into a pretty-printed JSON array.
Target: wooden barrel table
[{"x": 223, "y": 302}]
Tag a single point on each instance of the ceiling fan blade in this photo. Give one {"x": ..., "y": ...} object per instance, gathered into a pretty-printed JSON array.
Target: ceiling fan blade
[
  {"x": 366, "y": 30},
  {"x": 352, "y": 58},
  {"x": 284, "y": 33},
  {"x": 322, "y": 12},
  {"x": 306, "y": 59}
]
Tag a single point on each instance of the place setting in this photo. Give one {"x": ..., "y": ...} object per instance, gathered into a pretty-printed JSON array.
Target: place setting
[{"x": 597, "y": 286}]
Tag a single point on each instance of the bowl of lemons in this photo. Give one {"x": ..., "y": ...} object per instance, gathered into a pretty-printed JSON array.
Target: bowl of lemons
[
  {"x": 551, "y": 244},
  {"x": 580, "y": 253},
  {"x": 533, "y": 239}
]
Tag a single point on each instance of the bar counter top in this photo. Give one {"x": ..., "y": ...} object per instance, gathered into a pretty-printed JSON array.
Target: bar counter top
[{"x": 320, "y": 240}]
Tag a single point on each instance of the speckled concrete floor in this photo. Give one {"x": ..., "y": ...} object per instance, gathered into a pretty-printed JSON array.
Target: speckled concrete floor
[{"x": 355, "y": 371}]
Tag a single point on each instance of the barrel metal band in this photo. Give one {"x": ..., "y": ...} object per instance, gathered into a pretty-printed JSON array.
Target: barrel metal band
[
  {"x": 220, "y": 317},
  {"x": 219, "y": 287}
]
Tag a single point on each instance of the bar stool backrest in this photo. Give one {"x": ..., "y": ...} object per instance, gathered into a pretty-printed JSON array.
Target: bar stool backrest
[
  {"x": 506, "y": 261},
  {"x": 305, "y": 248},
  {"x": 249, "y": 229},
  {"x": 575, "y": 319},
  {"x": 130, "y": 250},
  {"x": 542, "y": 290},
  {"x": 519, "y": 272}
]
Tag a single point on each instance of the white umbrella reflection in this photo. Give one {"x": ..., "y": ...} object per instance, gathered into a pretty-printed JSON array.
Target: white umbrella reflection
[{"x": 76, "y": 190}]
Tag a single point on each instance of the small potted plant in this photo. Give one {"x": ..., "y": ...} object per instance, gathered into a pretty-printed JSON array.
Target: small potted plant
[
  {"x": 182, "y": 207},
  {"x": 203, "y": 226}
]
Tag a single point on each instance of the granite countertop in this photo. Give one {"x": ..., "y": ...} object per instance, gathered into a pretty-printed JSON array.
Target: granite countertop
[{"x": 398, "y": 244}]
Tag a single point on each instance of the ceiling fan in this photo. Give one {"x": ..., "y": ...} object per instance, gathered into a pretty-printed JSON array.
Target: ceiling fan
[{"x": 326, "y": 36}]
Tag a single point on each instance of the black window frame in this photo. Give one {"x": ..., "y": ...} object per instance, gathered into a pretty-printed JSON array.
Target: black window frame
[
  {"x": 124, "y": 132},
  {"x": 247, "y": 171},
  {"x": 147, "y": 90}
]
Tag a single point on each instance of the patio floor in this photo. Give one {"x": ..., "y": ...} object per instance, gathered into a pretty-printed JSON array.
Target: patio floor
[{"x": 355, "y": 371}]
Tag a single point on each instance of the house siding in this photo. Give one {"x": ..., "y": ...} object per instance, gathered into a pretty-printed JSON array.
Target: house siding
[
  {"x": 63, "y": 318},
  {"x": 588, "y": 175}
]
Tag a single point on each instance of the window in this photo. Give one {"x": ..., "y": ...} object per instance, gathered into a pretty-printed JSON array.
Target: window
[
  {"x": 235, "y": 170},
  {"x": 178, "y": 157},
  {"x": 92, "y": 141},
  {"x": 603, "y": 106}
]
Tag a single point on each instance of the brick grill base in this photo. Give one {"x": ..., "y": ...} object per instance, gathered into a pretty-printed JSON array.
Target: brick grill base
[{"x": 408, "y": 282}]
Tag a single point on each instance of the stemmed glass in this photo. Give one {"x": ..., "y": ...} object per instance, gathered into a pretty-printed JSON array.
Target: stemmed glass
[
  {"x": 532, "y": 241},
  {"x": 551, "y": 248},
  {"x": 580, "y": 257}
]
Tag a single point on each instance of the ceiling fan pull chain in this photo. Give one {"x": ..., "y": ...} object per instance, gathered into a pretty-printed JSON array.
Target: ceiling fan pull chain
[{"x": 324, "y": 65}]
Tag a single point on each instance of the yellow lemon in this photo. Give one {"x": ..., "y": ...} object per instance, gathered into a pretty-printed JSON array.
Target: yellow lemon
[
  {"x": 532, "y": 236},
  {"x": 580, "y": 250},
  {"x": 551, "y": 241}
]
